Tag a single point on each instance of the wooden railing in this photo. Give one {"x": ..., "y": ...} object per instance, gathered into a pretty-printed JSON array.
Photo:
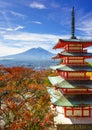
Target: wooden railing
[{"x": 77, "y": 91}]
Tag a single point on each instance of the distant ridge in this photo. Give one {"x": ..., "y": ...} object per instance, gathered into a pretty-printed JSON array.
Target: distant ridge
[{"x": 31, "y": 54}]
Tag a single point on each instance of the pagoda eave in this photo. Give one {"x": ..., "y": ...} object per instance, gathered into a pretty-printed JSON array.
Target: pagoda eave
[
  {"x": 61, "y": 43},
  {"x": 61, "y": 55},
  {"x": 59, "y": 82},
  {"x": 74, "y": 71},
  {"x": 69, "y": 100},
  {"x": 65, "y": 68}
]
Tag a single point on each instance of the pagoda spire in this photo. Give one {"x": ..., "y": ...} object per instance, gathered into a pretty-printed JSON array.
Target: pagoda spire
[{"x": 73, "y": 25}]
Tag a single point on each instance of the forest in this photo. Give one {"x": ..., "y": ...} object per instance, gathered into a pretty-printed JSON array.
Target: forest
[{"x": 24, "y": 101}]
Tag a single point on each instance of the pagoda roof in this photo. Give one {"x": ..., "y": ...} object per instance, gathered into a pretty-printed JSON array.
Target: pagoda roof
[
  {"x": 71, "y": 68},
  {"x": 62, "y": 42},
  {"x": 76, "y": 40},
  {"x": 58, "y": 99},
  {"x": 60, "y": 82},
  {"x": 55, "y": 80},
  {"x": 56, "y": 67},
  {"x": 66, "y": 54}
]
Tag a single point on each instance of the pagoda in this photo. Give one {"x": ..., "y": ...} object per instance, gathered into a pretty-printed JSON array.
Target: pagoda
[{"x": 71, "y": 91}]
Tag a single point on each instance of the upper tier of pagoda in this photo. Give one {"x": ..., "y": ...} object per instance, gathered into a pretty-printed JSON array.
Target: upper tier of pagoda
[
  {"x": 73, "y": 44},
  {"x": 65, "y": 43}
]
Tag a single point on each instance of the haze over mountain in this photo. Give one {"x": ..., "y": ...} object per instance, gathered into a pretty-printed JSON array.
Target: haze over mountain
[{"x": 31, "y": 54}]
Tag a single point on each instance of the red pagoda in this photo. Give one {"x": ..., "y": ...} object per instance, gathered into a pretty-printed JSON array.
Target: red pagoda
[{"x": 71, "y": 93}]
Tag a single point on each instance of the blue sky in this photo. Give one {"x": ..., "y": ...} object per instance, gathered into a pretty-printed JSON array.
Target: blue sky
[{"x": 25, "y": 24}]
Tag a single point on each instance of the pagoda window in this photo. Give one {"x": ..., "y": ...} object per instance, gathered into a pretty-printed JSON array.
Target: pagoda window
[
  {"x": 64, "y": 74},
  {"x": 76, "y": 74},
  {"x": 77, "y": 111},
  {"x": 68, "y": 113},
  {"x": 76, "y": 61},
  {"x": 86, "y": 113},
  {"x": 75, "y": 48},
  {"x": 65, "y": 60},
  {"x": 77, "y": 58},
  {"x": 75, "y": 45}
]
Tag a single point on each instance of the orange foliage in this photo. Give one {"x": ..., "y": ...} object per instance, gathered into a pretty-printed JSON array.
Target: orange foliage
[{"x": 25, "y": 103}]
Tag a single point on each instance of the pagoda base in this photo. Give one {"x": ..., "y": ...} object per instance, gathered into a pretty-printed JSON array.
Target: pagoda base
[
  {"x": 61, "y": 119},
  {"x": 74, "y": 127}
]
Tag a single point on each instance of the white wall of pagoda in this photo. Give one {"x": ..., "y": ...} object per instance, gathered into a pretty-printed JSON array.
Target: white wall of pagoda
[{"x": 80, "y": 117}]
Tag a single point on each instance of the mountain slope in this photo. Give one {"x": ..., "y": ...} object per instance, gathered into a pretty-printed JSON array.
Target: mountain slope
[{"x": 32, "y": 54}]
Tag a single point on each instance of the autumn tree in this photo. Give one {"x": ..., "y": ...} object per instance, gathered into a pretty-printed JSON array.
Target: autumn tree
[{"x": 25, "y": 103}]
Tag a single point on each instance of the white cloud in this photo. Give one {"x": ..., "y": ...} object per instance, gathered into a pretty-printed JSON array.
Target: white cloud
[
  {"x": 37, "y": 5},
  {"x": 7, "y": 50},
  {"x": 32, "y": 37},
  {"x": 36, "y": 22},
  {"x": 19, "y": 42},
  {"x": 17, "y": 14},
  {"x": 85, "y": 24},
  {"x": 15, "y": 29}
]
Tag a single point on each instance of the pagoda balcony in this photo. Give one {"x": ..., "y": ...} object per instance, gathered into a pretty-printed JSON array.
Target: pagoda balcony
[
  {"x": 76, "y": 91},
  {"x": 73, "y": 72},
  {"x": 75, "y": 64},
  {"x": 76, "y": 51},
  {"x": 74, "y": 75}
]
